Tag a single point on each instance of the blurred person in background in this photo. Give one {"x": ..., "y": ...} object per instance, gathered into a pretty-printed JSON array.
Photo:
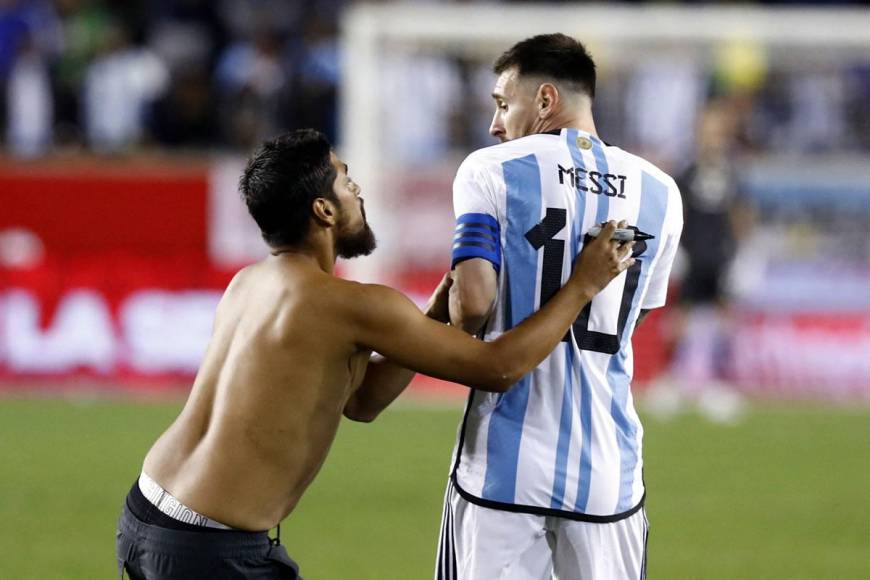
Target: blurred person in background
[
  {"x": 818, "y": 119},
  {"x": 662, "y": 98},
  {"x": 186, "y": 116},
  {"x": 546, "y": 479},
  {"x": 30, "y": 39},
  {"x": 186, "y": 34},
  {"x": 84, "y": 25},
  {"x": 120, "y": 86},
  {"x": 29, "y": 103},
  {"x": 313, "y": 60},
  {"x": 717, "y": 218},
  {"x": 429, "y": 82},
  {"x": 12, "y": 29},
  {"x": 250, "y": 76},
  {"x": 471, "y": 125},
  {"x": 859, "y": 112},
  {"x": 243, "y": 19}
]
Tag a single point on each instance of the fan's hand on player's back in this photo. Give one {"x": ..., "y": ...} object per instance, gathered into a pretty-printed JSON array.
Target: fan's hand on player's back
[{"x": 602, "y": 260}]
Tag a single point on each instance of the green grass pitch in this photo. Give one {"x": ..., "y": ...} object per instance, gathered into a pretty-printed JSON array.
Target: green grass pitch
[{"x": 785, "y": 494}]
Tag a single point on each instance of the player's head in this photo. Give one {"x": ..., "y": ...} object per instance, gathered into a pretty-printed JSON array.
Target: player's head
[
  {"x": 295, "y": 185},
  {"x": 540, "y": 79}
]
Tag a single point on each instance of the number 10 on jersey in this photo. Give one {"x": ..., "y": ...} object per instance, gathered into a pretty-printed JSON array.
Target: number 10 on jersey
[{"x": 541, "y": 237}]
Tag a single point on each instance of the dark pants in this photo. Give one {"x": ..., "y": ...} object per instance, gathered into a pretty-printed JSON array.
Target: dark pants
[{"x": 151, "y": 551}]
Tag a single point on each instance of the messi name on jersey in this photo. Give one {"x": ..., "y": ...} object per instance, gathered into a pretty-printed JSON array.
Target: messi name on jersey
[{"x": 608, "y": 184}]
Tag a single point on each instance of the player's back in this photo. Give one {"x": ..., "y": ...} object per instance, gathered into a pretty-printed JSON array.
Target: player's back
[
  {"x": 266, "y": 402},
  {"x": 565, "y": 439}
]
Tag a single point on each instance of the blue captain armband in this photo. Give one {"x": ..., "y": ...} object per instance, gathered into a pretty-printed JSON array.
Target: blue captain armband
[{"x": 477, "y": 236}]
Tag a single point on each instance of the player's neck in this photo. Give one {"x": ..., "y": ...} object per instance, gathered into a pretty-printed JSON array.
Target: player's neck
[{"x": 568, "y": 120}]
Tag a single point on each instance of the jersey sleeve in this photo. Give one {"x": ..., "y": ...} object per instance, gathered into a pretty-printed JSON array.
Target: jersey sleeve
[
  {"x": 657, "y": 290},
  {"x": 477, "y": 234}
]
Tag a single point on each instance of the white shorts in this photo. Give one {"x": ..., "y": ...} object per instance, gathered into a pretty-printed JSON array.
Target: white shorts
[{"x": 479, "y": 543}]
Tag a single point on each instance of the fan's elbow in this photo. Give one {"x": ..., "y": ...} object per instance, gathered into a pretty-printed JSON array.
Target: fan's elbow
[
  {"x": 502, "y": 376},
  {"x": 508, "y": 380}
]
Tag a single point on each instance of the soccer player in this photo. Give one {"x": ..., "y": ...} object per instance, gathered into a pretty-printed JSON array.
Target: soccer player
[
  {"x": 289, "y": 354},
  {"x": 717, "y": 215},
  {"x": 546, "y": 478}
]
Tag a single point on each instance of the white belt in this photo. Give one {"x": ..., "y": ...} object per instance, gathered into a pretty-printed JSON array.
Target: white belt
[{"x": 169, "y": 504}]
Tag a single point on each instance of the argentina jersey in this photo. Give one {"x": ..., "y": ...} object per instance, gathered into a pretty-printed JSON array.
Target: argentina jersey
[{"x": 565, "y": 440}]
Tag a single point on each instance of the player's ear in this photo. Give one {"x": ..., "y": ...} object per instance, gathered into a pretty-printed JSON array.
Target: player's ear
[
  {"x": 324, "y": 211},
  {"x": 547, "y": 100}
]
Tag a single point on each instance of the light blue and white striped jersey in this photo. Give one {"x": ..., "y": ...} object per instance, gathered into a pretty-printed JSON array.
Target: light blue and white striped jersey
[{"x": 565, "y": 440}]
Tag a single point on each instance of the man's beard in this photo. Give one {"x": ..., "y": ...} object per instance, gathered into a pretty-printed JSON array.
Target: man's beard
[{"x": 359, "y": 243}]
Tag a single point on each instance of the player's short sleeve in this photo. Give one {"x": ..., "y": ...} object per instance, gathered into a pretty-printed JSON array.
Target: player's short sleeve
[
  {"x": 478, "y": 233},
  {"x": 657, "y": 290}
]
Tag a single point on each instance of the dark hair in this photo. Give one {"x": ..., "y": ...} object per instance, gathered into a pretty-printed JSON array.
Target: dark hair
[
  {"x": 555, "y": 56},
  {"x": 281, "y": 181}
]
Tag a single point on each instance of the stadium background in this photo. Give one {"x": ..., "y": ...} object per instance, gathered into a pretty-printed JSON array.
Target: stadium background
[{"x": 124, "y": 129}]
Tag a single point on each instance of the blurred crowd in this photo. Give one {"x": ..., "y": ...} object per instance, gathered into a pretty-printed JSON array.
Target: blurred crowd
[{"x": 113, "y": 76}]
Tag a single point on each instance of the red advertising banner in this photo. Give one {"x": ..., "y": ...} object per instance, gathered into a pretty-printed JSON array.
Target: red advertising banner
[
  {"x": 104, "y": 270},
  {"x": 806, "y": 354},
  {"x": 111, "y": 270},
  {"x": 93, "y": 206}
]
